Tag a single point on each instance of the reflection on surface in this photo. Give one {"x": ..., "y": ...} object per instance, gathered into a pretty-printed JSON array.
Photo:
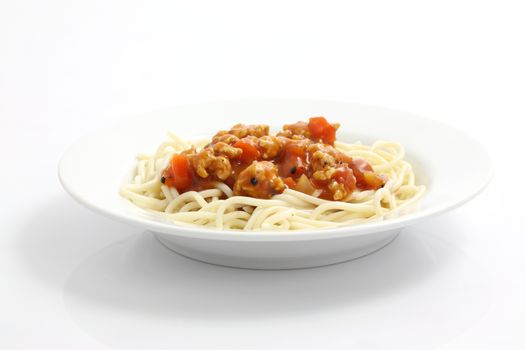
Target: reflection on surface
[
  {"x": 140, "y": 275},
  {"x": 137, "y": 290},
  {"x": 59, "y": 234}
]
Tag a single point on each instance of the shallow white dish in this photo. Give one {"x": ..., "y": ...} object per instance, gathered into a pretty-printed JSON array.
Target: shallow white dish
[{"x": 452, "y": 166}]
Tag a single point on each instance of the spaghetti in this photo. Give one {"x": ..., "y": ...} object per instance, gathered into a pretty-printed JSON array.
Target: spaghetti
[{"x": 218, "y": 206}]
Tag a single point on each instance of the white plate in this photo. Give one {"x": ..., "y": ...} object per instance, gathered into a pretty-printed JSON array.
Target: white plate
[{"x": 453, "y": 166}]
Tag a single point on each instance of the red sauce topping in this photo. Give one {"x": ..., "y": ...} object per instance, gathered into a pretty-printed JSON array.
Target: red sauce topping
[{"x": 256, "y": 164}]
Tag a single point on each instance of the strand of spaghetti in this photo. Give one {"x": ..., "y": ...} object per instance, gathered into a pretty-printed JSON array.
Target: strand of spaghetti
[
  {"x": 283, "y": 226},
  {"x": 352, "y": 220},
  {"x": 235, "y": 216},
  {"x": 296, "y": 225},
  {"x": 238, "y": 215},
  {"x": 361, "y": 196},
  {"x": 399, "y": 178},
  {"x": 401, "y": 208},
  {"x": 411, "y": 179},
  {"x": 305, "y": 197},
  {"x": 225, "y": 189},
  {"x": 202, "y": 222},
  {"x": 162, "y": 163},
  {"x": 341, "y": 215},
  {"x": 178, "y": 141},
  {"x": 408, "y": 193},
  {"x": 374, "y": 158},
  {"x": 268, "y": 212},
  {"x": 191, "y": 216},
  {"x": 152, "y": 186},
  {"x": 150, "y": 169},
  {"x": 397, "y": 157},
  {"x": 265, "y": 214},
  {"x": 199, "y": 144},
  {"x": 381, "y": 194},
  {"x": 273, "y": 215},
  {"x": 144, "y": 201},
  {"x": 141, "y": 171},
  {"x": 278, "y": 222},
  {"x": 240, "y": 201},
  {"x": 354, "y": 146},
  {"x": 167, "y": 193},
  {"x": 212, "y": 206},
  {"x": 253, "y": 218},
  {"x": 142, "y": 156},
  {"x": 236, "y": 223},
  {"x": 314, "y": 223},
  {"x": 161, "y": 150},
  {"x": 190, "y": 206},
  {"x": 351, "y": 207},
  {"x": 174, "y": 192},
  {"x": 292, "y": 200},
  {"x": 260, "y": 211},
  {"x": 197, "y": 196}
]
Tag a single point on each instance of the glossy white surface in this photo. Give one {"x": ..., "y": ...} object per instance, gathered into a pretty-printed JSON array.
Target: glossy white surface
[
  {"x": 94, "y": 167},
  {"x": 71, "y": 279}
]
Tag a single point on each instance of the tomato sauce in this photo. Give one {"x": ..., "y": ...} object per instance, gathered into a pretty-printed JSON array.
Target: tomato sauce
[{"x": 253, "y": 163}]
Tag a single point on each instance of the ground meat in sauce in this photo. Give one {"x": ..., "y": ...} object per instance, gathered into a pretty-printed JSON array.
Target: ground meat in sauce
[
  {"x": 241, "y": 130},
  {"x": 270, "y": 146},
  {"x": 296, "y": 131},
  {"x": 206, "y": 163},
  {"x": 226, "y": 138},
  {"x": 227, "y": 150},
  {"x": 256, "y": 164},
  {"x": 259, "y": 180}
]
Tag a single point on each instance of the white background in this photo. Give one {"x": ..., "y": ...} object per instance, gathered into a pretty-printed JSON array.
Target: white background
[{"x": 70, "y": 279}]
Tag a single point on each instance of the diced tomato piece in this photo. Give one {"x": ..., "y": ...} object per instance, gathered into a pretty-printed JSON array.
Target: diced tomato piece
[
  {"x": 296, "y": 149},
  {"x": 250, "y": 152},
  {"x": 290, "y": 182},
  {"x": 344, "y": 175},
  {"x": 359, "y": 167},
  {"x": 179, "y": 173},
  {"x": 365, "y": 177},
  {"x": 321, "y": 130},
  {"x": 373, "y": 181}
]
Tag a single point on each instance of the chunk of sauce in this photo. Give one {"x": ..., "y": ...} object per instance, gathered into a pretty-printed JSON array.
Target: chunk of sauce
[{"x": 292, "y": 165}]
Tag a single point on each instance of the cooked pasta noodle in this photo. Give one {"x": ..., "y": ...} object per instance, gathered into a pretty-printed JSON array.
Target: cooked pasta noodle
[{"x": 290, "y": 210}]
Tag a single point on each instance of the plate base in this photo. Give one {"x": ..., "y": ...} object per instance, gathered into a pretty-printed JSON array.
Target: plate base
[{"x": 278, "y": 255}]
